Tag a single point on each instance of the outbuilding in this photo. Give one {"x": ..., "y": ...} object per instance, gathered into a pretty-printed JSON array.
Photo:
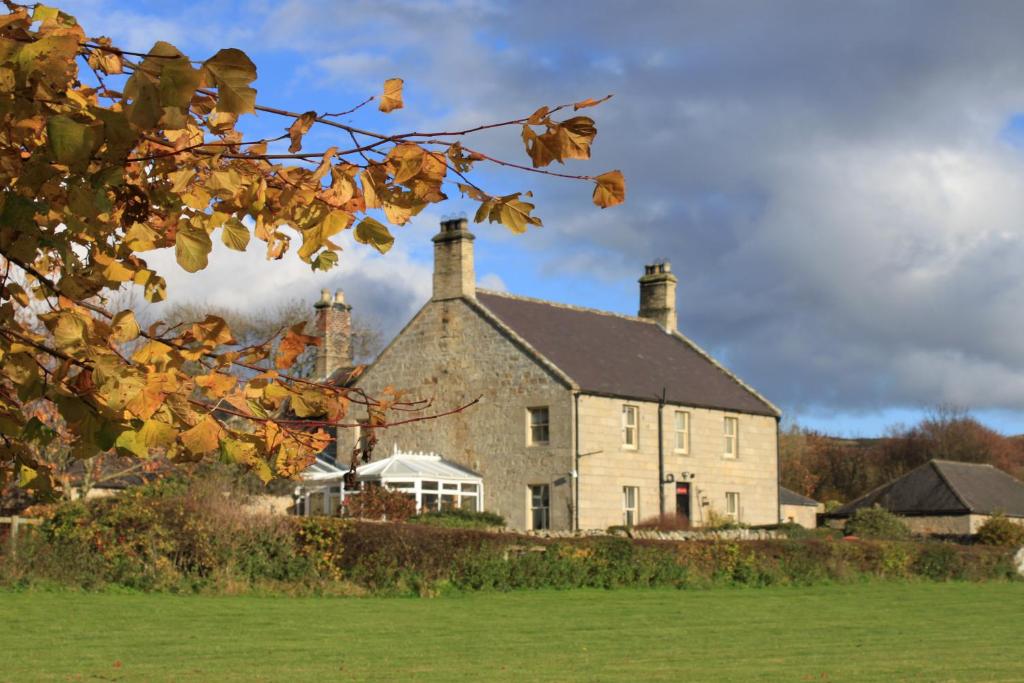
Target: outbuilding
[{"x": 944, "y": 497}]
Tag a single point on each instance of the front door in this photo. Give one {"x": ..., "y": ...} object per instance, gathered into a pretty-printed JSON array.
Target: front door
[{"x": 683, "y": 501}]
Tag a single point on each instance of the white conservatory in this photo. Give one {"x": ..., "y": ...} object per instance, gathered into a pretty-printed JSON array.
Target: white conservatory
[{"x": 434, "y": 482}]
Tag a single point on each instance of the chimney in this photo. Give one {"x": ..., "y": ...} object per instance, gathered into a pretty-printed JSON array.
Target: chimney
[
  {"x": 658, "y": 295},
  {"x": 334, "y": 327},
  {"x": 453, "y": 261}
]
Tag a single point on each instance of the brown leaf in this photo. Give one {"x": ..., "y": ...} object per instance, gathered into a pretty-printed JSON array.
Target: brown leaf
[
  {"x": 610, "y": 189},
  {"x": 299, "y": 128},
  {"x": 590, "y": 102},
  {"x": 391, "y": 99},
  {"x": 293, "y": 344}
]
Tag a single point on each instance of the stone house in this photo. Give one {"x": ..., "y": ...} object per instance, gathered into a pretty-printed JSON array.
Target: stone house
[
  {"x": 944, "y": 498},
  {"x": 585, "y": 419},
  {"x": 798, "y": 509}
]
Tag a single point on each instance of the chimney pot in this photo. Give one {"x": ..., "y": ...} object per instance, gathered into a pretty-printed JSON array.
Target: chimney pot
[{"x": 658, "y": 295}]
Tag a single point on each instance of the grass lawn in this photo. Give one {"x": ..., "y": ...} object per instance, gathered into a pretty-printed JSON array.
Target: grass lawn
[{"x": 869, "y": 632}]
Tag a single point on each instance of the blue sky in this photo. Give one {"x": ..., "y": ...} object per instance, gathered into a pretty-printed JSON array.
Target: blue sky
[{"x": 838, "y": 185}]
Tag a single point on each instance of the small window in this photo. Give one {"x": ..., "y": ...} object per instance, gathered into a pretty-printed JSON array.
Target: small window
[
  {"x": 732, "y": 437},
  {"x": 539, "y": 426},
  {"x": 682, "y": 425},
  {"x": 732, "y": 505},
  {"x": 630, "y": 505},
  {"x": 630, "y": 415},
  {"x": 540, "y": 507}
]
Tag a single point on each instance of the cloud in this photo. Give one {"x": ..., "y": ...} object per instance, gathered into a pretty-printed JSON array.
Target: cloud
[{"x": 834, "y": 183}]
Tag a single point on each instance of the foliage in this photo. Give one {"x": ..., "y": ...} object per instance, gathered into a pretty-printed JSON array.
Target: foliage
[
  {"x": 107, "y": 154},
  {"x": 825, "y": 467},
  {"x": 380, "y": 502},
  {"x": 876, "y": 522},
  {"x": 458, "y": 518},
  {"x": 1000, "y": 530}
]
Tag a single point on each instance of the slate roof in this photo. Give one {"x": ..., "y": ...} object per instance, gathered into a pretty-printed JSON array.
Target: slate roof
[
  {"x": 945, "y": 487},
  {"x": 622, "y": 356},
  {"x": 790, "y": 497}
]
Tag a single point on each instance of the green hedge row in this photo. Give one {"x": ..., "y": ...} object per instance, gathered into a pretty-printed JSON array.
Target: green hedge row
[{"x": 175, "y": 538}]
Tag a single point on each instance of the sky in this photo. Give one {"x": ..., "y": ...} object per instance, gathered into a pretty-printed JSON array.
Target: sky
[{"x": 839, "y": 186}]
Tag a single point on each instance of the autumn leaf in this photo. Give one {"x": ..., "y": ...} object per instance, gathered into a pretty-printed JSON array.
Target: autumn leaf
[
  {"x": 234, "y": 235},
  {"x": 610, "y": 189},
  {"x": 374, "y": 233},
  {"x": 125, "y": 327},
  {"x": 204, "y": 437},
  {"x": 300, "y": 127},
  {"x": 216, "y": 384},
  {"x": 590, "y": 102},
  {"x": 294, "y": 343},
  {"x": 391, "y": 98},
  {"x": 192, "y": 248},
  {"x": 71, "y": 142},
  {"x": 232, "y": 72}
]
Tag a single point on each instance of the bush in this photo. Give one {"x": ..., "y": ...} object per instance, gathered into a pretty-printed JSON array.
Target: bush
[
  {"x": 876, "y": 522},
  {"x": 379, "y": 502},
  {"x": 665, "y": 523},
  {"x": 457, "y": 518},
  {"x": 1000, "y": 531}
]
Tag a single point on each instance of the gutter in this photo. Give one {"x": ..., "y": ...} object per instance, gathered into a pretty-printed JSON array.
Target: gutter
[
  {"x": 778, "y": 472},
  {"x": 661, "y": 456}
]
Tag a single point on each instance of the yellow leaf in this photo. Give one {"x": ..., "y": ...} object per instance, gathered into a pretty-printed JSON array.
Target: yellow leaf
[
  {"x": 299, "y": 128},
  {"x": 538, "y": 116},
  {"x": 408, "y": 161},
  {"x": 225, "y": 181},
  {"x": 232, "y": 72},
  {"x": 141, "y": 237},
  {"x": 192, "y": 248},
  {"x": 542, "y": 149},
  {"x": 373, "y": 232},
  {"x": 125, "y": 327},
  {"x": 391, "y": 99},
  {"x": 610, "y": 189},
  {"x": 217, "y": 384},
  {"x": 235, "y": 235},
  {"x": 204, "y": 437},
  {"x": 576, "y": 135}
]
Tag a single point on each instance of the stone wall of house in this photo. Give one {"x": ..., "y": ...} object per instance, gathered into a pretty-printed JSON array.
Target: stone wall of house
[
  {"x": 451, "y": 354},
  {"x": 612, "y": 465},
  {"x": 804, "y": 515}
]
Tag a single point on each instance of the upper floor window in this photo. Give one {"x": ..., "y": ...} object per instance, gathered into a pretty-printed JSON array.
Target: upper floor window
[
  {"x": 539, "y": 426},
  {"x": 682, "y": 431},
  {"x": 732, "y": 437},
  {"x": 630, "y": 423}
]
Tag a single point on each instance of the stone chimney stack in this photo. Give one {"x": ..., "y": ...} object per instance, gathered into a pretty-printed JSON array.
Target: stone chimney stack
[
  {"x": 453, "y": 261},
  {"x": 658, "y": 295},
  {"x": 334, "y": 327}
]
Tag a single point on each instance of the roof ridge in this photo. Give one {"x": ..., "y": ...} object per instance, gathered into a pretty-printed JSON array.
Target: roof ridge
[
  {"x": 942, "y": 475},
  {"x": 571, "y": 307}
]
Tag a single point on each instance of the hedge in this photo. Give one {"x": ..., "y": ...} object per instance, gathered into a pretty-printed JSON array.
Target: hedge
[{"x": 174, "y": 538}]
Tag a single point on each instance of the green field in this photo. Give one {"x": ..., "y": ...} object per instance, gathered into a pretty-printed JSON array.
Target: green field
[{"x": 867, "y": 632}]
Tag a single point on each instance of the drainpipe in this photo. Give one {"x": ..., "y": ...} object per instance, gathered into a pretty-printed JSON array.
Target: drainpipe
[
  {"x": 576, "y": 466},
  {"x": 661, "y": 456},
  {"x": 778, "y": 472}
]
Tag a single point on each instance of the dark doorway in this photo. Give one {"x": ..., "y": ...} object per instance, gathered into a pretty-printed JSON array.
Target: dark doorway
[{"x": 683, "y": 501}]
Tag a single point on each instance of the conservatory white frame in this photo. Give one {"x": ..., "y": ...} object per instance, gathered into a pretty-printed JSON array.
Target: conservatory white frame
[{"x": 430, "y": 479}]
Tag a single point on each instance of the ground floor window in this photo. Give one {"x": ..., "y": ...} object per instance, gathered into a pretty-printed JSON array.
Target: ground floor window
[
  {"x": 540, "y": 506},
  {"x": 732, "y": 505},
  {"x": 630, "y": 505}
]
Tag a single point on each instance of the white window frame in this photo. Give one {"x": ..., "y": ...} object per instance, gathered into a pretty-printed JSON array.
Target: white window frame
[
  {"x": 732, "y": 500},
  {"x": 545, "y": 509},
  {"x": 530, "y": 441},
  {"x": 627, "y": 410},
  {"x": 732, "y": 438},
  {"x": 630, "y": 506},
  {"x": 684, "y": 432}
]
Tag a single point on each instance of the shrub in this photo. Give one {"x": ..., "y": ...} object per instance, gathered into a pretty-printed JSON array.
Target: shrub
[
  {"x": 1000, "y": 531},
  {"x": 665, "y": 523},
  {"x": 379, "y": 502},
  {"x": 876, "y": 522},
  {"x": 457, "y": 518},
  {"x": 939, "y": 561}
]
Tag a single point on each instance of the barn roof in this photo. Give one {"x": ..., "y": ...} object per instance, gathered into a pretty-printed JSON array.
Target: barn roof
[
  {"x": 623, "y": 356},
  {"x": 790, "y": 497},
  {"x": 944, "y": 487}
]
